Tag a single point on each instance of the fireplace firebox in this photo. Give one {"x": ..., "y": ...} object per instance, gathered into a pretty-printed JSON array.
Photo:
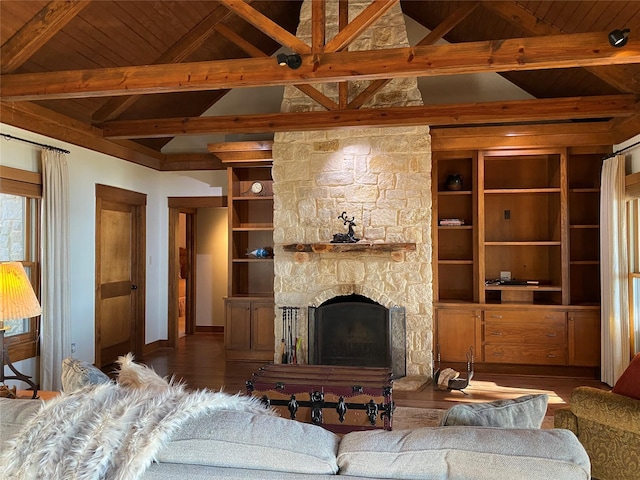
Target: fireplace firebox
[{"x": 353, "y": 330}]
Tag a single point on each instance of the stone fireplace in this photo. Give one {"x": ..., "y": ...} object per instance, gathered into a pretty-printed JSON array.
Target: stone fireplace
[
  {"x": 353, "y": 330},
  {"x": 379, "y": 176}
]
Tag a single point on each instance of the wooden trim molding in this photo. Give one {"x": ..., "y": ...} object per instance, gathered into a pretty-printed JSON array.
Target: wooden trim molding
[{"x": 632, "y": 185}]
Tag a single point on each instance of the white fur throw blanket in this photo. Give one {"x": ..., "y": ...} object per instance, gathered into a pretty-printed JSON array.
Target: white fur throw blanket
[{"x": 111, "y": 431}]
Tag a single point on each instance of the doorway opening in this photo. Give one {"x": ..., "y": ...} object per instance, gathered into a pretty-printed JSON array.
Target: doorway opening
[{"x": 189, "y": 269}]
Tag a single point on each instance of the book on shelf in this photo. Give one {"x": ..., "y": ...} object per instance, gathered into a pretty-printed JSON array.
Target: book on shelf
[{"x": 451, "y": 222}]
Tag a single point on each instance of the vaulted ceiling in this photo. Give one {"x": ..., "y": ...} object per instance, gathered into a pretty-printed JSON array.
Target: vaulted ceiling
[{"x": 125, "y": 77}]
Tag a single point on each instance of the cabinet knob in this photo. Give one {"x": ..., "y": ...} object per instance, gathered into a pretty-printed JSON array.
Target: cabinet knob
[
  {"x": 550, "y": 317},
  {"x": 551, "y": 355},
  {"x": 496, "y": 316},
  {"x": 552, "y": 334},
  {"x": 496, "y": 334}
]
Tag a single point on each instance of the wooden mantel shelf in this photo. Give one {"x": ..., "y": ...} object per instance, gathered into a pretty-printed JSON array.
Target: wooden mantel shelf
[{"x": 327, "y": 247}]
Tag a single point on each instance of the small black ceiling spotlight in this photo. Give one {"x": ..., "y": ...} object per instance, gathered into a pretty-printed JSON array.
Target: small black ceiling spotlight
[
  {"x": 619, "y": 38},
  {"x": 293, "y": 61}
]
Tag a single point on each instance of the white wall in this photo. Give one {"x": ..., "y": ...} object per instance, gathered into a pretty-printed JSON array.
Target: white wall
[{"x": 86, "y": 168}]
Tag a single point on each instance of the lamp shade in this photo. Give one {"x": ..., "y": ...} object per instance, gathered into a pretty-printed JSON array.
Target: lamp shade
[{"x": 17, "y": 298}]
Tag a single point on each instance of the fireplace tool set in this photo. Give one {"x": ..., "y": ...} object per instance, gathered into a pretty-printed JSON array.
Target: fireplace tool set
[{"x": 290, "y": 343}]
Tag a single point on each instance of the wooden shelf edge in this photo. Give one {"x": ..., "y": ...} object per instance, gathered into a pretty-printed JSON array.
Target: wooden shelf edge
[
  {"x": 502, "y": 191},
  {"x": 349, "y": 247}
]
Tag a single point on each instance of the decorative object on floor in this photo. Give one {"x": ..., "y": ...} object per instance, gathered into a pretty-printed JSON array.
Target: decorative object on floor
[
  {"x": 348, "y": 237},
  {"x": 17, "y": 301},
  {"x": 118, "y": 447},
  {"x": 449, "y": 379},
  {"x": 77, "y": 375},
  {"x": 608, "y": 427},
  {"x": 524, "y": 412}
]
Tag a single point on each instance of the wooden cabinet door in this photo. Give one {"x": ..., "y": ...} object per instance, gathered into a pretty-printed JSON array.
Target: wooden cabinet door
[
  {"x": 262, "y": 336},
  {"x": 457, "y": 330},
  {"x": 237, "y": 330},
  {"x": 584, "y": 338}
]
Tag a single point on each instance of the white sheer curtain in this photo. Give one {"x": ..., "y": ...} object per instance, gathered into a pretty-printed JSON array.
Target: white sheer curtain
[
  {"x": 614, "y": 271},
  {"x": 55, "y": 341}
]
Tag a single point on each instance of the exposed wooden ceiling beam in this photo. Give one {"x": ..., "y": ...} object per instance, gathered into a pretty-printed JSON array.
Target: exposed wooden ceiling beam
[
  {"x": 517, "y": 111},
  {"x": 177, "y": 53},
  {"x": 515, "y": 14},
  {"x": 318, "y": 27},
  {"x": 358, "y": 25},
  {"x": 256, "y": 52},
  {"x": 267, "y": 26},
  {"x": 38, "y": 31},
  {"x": 46, "y": 122},
  {"x": 535, "y": 53}
]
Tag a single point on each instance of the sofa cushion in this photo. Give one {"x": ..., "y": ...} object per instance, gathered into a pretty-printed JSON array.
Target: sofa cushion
[
  {"x": 77, "y": 374},
  {"x": 226, "y": 438},
  {"x": 479, "y": 453},
  {"x": 629, "y": 382},
  {"x": 523, "y": 412}
]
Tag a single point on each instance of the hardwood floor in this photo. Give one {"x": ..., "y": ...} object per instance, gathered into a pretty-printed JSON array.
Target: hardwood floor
[{"x": 200, "y": 362}]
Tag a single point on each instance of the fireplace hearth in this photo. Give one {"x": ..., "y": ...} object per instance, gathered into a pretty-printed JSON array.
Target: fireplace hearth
[{"x": 353, "y": 330}]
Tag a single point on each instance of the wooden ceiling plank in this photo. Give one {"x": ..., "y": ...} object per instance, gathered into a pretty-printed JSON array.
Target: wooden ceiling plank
[
  {"x": 38, "y": 31},
  {"x": 515, "y": 111},
  {"x": 267, "y": 26},
  {"x": 616, "y": 77},
  {"x": 318, "y": 31},
  {"x": 520, "y": 54},
  {"x": 359, "y": 24},
  {"x": 180, "y": 50},
  {"x": 449, "y": 23},
  {"x": 432, "y": 37},
  {"x": 248, "y": 47},
  {"x": 241, "y": 147}
]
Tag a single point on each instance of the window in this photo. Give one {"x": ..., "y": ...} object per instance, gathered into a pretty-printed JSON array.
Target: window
[{"x": 20, "y": 194}]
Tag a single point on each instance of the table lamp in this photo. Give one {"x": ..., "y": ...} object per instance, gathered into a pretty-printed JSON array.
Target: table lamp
[{"x": 17, "y": 301}]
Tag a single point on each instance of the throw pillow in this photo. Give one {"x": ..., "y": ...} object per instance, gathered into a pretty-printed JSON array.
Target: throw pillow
[
  {"x": 629, "y": 382},
  {"x": 77, "y": 375},
  {"x": 523, "y": 412}
]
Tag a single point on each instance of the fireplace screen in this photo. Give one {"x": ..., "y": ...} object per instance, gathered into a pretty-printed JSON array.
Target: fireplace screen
[{"x": 354, "y": 330}]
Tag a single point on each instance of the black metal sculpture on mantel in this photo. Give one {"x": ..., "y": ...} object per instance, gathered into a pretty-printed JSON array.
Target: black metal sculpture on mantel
[{"x": 345, "y": 237}]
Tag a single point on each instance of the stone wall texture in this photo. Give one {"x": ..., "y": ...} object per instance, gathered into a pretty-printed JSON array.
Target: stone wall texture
[{"x": 379, "y": 176}]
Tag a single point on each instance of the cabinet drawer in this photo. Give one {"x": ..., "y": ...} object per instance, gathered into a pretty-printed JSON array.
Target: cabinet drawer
[
  {"x": 547, "y": 332},
  {"x": 525, "y": 354},
  {"x": 527, "y": 316}
]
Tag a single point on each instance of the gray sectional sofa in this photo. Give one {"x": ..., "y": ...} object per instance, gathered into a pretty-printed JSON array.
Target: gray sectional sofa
[{"x": 240, "y": 445}]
